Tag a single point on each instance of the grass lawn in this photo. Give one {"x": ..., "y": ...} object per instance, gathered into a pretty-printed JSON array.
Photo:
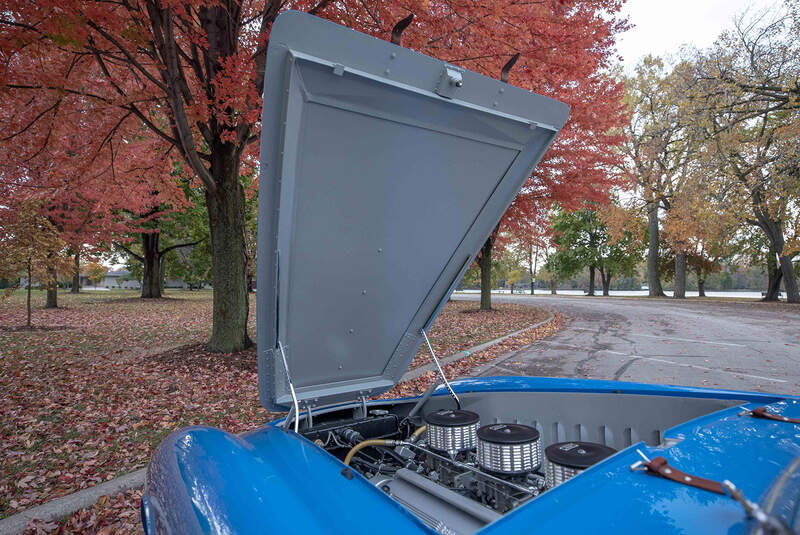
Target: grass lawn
[{"x": 99, "y": 382}]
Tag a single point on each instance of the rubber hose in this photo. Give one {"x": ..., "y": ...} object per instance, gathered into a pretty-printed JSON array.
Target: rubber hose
[{"x": 374, "y": 442}]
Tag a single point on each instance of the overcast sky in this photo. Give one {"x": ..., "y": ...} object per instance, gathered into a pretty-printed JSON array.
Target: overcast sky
[{"x": 661, "y": 27}]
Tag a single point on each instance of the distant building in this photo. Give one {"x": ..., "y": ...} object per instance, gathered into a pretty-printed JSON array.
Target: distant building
[{"x": 115, "y": 278}]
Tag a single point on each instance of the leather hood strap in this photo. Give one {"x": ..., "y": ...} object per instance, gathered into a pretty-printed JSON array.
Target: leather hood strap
[
  {"x": 660, "y": 467},
  {"x": 762, "y": 412}
]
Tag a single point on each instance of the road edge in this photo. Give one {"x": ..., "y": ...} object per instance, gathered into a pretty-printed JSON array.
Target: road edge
[
  {"x": 422, "y": 370},
  {"x": 54, "y": 510}
]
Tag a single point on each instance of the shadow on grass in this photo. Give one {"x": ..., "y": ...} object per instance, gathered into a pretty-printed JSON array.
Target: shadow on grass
[
  {"x": 34, "y": 328},
  {"x": 196, "y": 355}
]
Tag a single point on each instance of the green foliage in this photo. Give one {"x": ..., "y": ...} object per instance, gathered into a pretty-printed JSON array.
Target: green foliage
[
  {"x": 583, "y": 240},
  {"x": 192, "y": 263},
  {"x": 507, "y": 267}
]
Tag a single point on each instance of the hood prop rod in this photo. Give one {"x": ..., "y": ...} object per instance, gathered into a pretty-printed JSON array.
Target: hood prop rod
[
  {"x": 439, "y": 367},
  {"x": 295, "y": 412},
  {"x": 296, "y": 407}
]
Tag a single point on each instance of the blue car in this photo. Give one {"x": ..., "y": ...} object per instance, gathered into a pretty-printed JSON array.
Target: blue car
[{"x": 382, "y": 173}]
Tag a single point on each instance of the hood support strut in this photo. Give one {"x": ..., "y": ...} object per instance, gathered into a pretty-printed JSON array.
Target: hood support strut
[
  {"x": 439, "y": 367},
  {"x": 296, "y": 405}
]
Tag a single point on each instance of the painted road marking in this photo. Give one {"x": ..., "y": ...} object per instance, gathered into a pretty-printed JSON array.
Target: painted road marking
[
  {"x": 670, "y": 338},
  {"x": 697, "y": 366},
  {"x": 664, "y": 361}
]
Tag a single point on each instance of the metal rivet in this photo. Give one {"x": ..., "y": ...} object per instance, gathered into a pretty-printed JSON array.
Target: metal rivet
[
  {"x": 394, "y": 55},
  {"x": 502, "y": 90},
  {"x": 340, "y": 367},
  {"x": 363, "y": 292},
  {"x": 350, "y": 331},
  {"x": 387, "y": 71},
  {"x": 687, "y": 479},
  {"x": 494, "y": 104},
  {"x": 667, "y": 471},
  {"x": 380, "y": 250}
]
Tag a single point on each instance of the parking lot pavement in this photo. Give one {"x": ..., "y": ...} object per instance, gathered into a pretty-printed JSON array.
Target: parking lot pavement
[{"x": 743, "y": 346}]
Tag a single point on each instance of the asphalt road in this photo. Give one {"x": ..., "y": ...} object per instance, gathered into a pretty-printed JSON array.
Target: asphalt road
[{"x": 740, "y": 346}]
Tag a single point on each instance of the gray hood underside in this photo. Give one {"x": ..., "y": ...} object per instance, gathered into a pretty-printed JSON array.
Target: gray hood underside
[{"x": 381, "y": 177}]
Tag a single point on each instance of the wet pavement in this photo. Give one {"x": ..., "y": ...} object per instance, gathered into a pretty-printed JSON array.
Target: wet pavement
[{"x": 743, "y": 346}]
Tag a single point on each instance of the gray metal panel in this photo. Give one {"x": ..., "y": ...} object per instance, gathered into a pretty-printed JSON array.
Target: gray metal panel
[{"x": 376, "y": 192}]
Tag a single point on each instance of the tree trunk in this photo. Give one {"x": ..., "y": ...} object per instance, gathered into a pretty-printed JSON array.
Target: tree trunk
[
  {"x": 28, "y": 305},
  {"x": 774, "y": 276},
  {"x": 701, "y": 287},
  {"x": 653, "y": 280},
  {"x": 774, "y": 284},
  {"x": 76, "y": 275},
  {"x": 789, "y": 282},
  {"x": 531, "y": 269},
  {"x": 773, "y": 229},
  {"x": 250, "y": 286},
  {"x": 591, "y": 281},
  {"x": 162, "y": 269},
  {"x": 226, "y": 208},
  {"x": 605, "y": 279},
  {"x": 485, "y": 265},
  {"x": 151, "y": 287},
  {"x": 680, "y": 276},
  {"x": 52, "y": 290}
]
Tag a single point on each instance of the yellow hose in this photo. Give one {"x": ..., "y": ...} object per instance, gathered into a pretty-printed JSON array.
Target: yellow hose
[
  {"x": 364, "y": 444},
  {"x": 377, "y": 442}
]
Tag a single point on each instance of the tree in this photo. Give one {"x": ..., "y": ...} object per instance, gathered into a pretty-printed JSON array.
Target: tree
[
  {"x": 507, "y": 266},
  {"x": 94, "y": 197},
  {"x": 95, "y": 272},
  {"x": 29, "y": 245},
  {"x": 192, "y": 74},
  {"x": 699, "y": 227},
  {"x": 189, "y": 258},
  {"x": 660, "y": 152},
  {"x": 744, "y": 97},
  {"x": 190, "y": 264},
  {"x": 576, "y": 168},
  {"x": 533, "y": 240},
  {"x": 152, "y": 259},
  {"x": 584, "y": 240},
  {"x": 754, "y": 249}
]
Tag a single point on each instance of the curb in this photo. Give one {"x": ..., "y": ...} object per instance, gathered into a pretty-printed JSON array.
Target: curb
[
  {"x": 422, "y": 370},
  {"x": 58, "y": 508}
]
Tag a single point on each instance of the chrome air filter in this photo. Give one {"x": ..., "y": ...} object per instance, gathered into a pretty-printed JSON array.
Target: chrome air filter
[
  {"x": 509, "y": 448},
  {"x": 451, "y": 430},
  {"x": 568, "y": 459}
]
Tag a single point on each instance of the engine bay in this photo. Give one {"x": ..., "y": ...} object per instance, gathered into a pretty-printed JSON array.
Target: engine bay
[
  {"x": 449, "y": 469},
  {"x": 461, "y": 463}
]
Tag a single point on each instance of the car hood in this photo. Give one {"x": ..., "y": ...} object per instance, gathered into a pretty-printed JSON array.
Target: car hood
[{"x": 382, "y": 171}]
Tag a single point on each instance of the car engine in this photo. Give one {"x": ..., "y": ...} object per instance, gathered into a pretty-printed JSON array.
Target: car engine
[{"x": 454, "y": 474}]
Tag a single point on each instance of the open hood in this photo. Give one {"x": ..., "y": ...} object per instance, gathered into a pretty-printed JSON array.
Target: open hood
[{"x": 382, "y": 173}]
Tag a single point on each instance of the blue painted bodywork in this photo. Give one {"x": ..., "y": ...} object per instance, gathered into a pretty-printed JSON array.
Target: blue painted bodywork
[{"x": 204, "y": 480}]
